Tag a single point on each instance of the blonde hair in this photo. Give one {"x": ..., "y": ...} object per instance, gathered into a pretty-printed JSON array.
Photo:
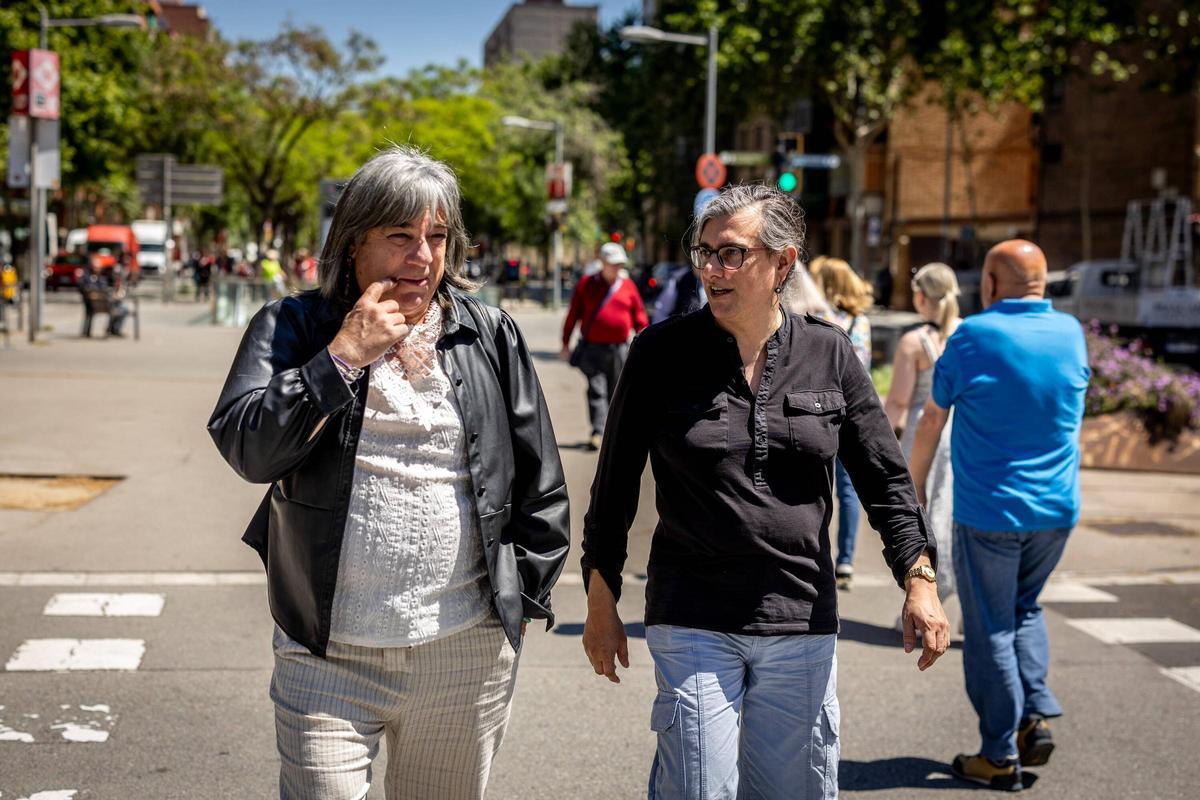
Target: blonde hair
[
  {"x": 940, "y": 286},
  {"x": 842, "y": 287}
]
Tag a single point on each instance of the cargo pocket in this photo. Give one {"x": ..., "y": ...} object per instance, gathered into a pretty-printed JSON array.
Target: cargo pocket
[
  {"x": 665, "y": 712},
  {"x": 668, "y": 776}
]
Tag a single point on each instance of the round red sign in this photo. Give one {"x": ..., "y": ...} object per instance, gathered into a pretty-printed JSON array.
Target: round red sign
[{"x": 710, "y": 172}]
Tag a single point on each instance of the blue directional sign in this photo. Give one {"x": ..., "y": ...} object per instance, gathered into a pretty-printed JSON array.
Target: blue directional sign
[
  {"x": 815, "y": 161},
  {"x": 703, "y": 198}
]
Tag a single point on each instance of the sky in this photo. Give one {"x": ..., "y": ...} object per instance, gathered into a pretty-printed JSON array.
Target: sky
[{"x": 410, "y": 34}]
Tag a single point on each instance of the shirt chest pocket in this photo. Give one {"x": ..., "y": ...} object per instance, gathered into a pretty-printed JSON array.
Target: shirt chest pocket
[
  {"x": 699, "y": 428},
  {"x": 814, "y": 419}
]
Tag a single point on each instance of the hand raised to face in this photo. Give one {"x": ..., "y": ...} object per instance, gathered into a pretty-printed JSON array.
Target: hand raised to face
[{"x": 371, "y": 327}]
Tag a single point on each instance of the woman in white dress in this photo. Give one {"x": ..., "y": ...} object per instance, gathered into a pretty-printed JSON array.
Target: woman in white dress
[{"x": 935, "y": 297}]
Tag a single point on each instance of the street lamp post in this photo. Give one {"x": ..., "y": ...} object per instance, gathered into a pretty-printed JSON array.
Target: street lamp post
[
  {"x": 556, "y": 128},
  {"x": 37, "y": 196},
  {"x": 647, "y": 35}
]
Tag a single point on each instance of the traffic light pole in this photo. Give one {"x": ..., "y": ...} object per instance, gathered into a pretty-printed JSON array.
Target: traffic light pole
[
  {"x": 37, "y": 227},
  {"x": 556, "y": 266}
]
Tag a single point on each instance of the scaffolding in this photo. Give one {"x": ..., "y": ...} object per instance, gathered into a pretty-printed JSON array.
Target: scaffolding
[{"x": 1158, "y": 241}]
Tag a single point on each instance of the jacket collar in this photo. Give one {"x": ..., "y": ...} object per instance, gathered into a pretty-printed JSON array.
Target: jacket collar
[{"x": 457, "y": 315}]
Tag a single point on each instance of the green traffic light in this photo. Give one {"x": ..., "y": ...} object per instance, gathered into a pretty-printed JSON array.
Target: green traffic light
[{"x": 787, "y": 181}]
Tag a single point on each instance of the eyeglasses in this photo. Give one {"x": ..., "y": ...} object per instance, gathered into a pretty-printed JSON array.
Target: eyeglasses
[{"x": 729, "y": 257}]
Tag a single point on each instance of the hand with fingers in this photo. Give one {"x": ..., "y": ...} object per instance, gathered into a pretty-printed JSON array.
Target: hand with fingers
[
  {"x": 923, "y": 615},
  {"x": 371, "y": 327},
  {"x": 604, "y": 638}
]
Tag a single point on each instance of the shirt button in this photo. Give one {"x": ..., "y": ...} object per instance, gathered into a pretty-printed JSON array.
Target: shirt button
[
  {"x": 816, "y": 405},
  {"x": 458, "y": 381},
  {"x": 729, "y": 339},
  {"x": 474, "y": 436},
  {"x": 480, "y": 492}
]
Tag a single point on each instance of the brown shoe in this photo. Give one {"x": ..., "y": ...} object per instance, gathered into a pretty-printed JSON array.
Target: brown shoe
[
  {"x": 1005, "y": 777},
  {"x": 1034, "y": 742}
]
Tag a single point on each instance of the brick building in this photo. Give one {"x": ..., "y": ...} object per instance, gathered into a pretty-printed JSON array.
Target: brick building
[{"x": 535, "y": 28}]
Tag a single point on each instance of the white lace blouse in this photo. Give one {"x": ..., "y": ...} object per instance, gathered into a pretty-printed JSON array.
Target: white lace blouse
[{"x": 412, "y": 567}]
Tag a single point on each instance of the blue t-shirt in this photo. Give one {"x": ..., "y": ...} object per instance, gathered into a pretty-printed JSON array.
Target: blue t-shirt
[{"x": 1016, "y": 375}]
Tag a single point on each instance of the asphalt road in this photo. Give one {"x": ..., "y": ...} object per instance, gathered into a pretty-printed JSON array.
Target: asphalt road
[{"x": 190, "y": 717}]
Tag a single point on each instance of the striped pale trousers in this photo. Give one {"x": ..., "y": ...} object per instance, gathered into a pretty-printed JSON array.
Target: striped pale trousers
[{"x": 443, "y": 706}]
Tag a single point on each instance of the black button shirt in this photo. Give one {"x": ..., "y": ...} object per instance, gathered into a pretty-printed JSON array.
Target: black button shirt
[{"x": 744, "y": 479}]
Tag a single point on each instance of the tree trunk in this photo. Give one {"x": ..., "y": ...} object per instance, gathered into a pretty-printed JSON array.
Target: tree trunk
[{"x": 857, "y": 158}]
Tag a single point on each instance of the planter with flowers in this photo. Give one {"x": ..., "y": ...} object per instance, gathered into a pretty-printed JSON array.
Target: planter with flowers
[{"x": 1140, "y": 414}]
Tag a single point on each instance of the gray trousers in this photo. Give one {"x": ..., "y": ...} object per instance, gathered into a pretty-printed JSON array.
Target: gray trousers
[
  {"x": 443, "y": 706},
  {"x": 602, "y": 364}
]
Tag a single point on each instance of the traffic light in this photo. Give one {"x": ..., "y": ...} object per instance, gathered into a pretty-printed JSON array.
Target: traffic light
[{"x": 785, "y": 176}]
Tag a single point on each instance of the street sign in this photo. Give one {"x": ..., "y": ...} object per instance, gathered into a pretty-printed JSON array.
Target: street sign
[
  {"x": 744, "y": 158},
  {"x": 18, "y": 150},
  {"x": 556, "y": 207},
  {"x": 558, "y": 180},
  {"x": 703, "y": 198},
  {"x": 160, "y": 177},
  {"x": 710, "y": 172},
  {"x": 815, "y": 161},
  {"x": 35, "y": 80},
  {"x": 49, "y": 171}
]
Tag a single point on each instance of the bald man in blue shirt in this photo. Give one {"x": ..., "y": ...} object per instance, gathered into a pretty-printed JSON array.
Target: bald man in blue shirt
[{"x": 1016, "y": 375}]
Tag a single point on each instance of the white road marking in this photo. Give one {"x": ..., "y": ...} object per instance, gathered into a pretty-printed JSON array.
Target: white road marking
[
  {"x": 104, "y": 605},
  {"x": 1074, "y": 592},
  {"x": 54, "y": 655},
  {"x": 1182, "y": 577},
  {"x": 8, "y": 734},
  {"x": 74, "y": 732},
  {"x": 132, "y": 578},
  {"x": 1136, "y": 630},
  {"x": 1188, "y": 676},
  {"x": 56, "y": 794},
  {"x": 99, "y": 707},
  {"x": 576, "y": 579}
]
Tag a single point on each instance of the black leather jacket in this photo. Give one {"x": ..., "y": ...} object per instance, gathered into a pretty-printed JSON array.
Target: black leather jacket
[{"x": 283, "y": 383}]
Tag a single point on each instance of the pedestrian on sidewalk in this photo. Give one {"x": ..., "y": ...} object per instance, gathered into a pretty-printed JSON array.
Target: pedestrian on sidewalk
[
  {"x": 608, "y": 309},
  {"x": 848, "y": 297},
  {"x": 418, "y": 515},
  {"x": 935, "y": 297},
  {"x": 1015, "y": 376},
  {"x": 742, "y": 408}
]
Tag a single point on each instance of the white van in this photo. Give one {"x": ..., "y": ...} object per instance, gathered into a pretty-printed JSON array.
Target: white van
[
  {"x": 76, "y": 240},
  {"x": 151, "y": 235}
]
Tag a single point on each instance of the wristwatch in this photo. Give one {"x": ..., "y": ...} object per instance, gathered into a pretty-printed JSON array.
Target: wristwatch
[{"x": 924, "y": 571}]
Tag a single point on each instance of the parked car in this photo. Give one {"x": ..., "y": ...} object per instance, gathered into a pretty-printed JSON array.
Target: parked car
[
  {"x": 116, "y": 247},
  {"x": 65, "y": 269}
]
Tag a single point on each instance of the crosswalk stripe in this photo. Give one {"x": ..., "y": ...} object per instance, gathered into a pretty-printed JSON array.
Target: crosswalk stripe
[
  {"x": 104, "y": 605},
  {"x": 54, "y": 794},
  {"x": 55, "y": 655},
  {"x": 1136, "y": 630},
  {"x": 1074, "y": 592},
  {"x": 1188, "y": 676},
  {"x": 132, "y": 578}
]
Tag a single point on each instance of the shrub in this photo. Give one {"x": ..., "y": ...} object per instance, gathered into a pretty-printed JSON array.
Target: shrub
[{"x": 1126, "y": 377}]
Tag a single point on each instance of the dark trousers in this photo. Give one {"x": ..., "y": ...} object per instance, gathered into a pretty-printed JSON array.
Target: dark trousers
[{"x": 602, "y": 364}]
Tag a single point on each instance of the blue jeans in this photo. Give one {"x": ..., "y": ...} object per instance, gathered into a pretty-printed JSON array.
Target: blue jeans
[
  {"x": 743, "y": 716},
  {"x": 1006, "y": 652},
  {"x": 848, "y": 511}
]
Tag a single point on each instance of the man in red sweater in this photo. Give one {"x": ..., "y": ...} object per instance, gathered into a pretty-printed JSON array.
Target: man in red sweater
[{"x": 607, "y": 307}]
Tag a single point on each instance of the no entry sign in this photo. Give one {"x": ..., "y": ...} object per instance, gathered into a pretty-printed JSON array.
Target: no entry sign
[
  {"x": 35, "y": 83},
  {"x": 710, "y": 172}
]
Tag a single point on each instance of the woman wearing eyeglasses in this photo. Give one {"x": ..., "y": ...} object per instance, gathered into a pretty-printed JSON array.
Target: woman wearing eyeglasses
[{"x": 742, "y": 408}]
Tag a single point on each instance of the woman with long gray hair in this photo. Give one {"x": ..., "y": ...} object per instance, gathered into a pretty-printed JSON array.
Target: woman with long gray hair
[
  {"x": 417, "y": 516},
  {"x": 741, "y": 408}
]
